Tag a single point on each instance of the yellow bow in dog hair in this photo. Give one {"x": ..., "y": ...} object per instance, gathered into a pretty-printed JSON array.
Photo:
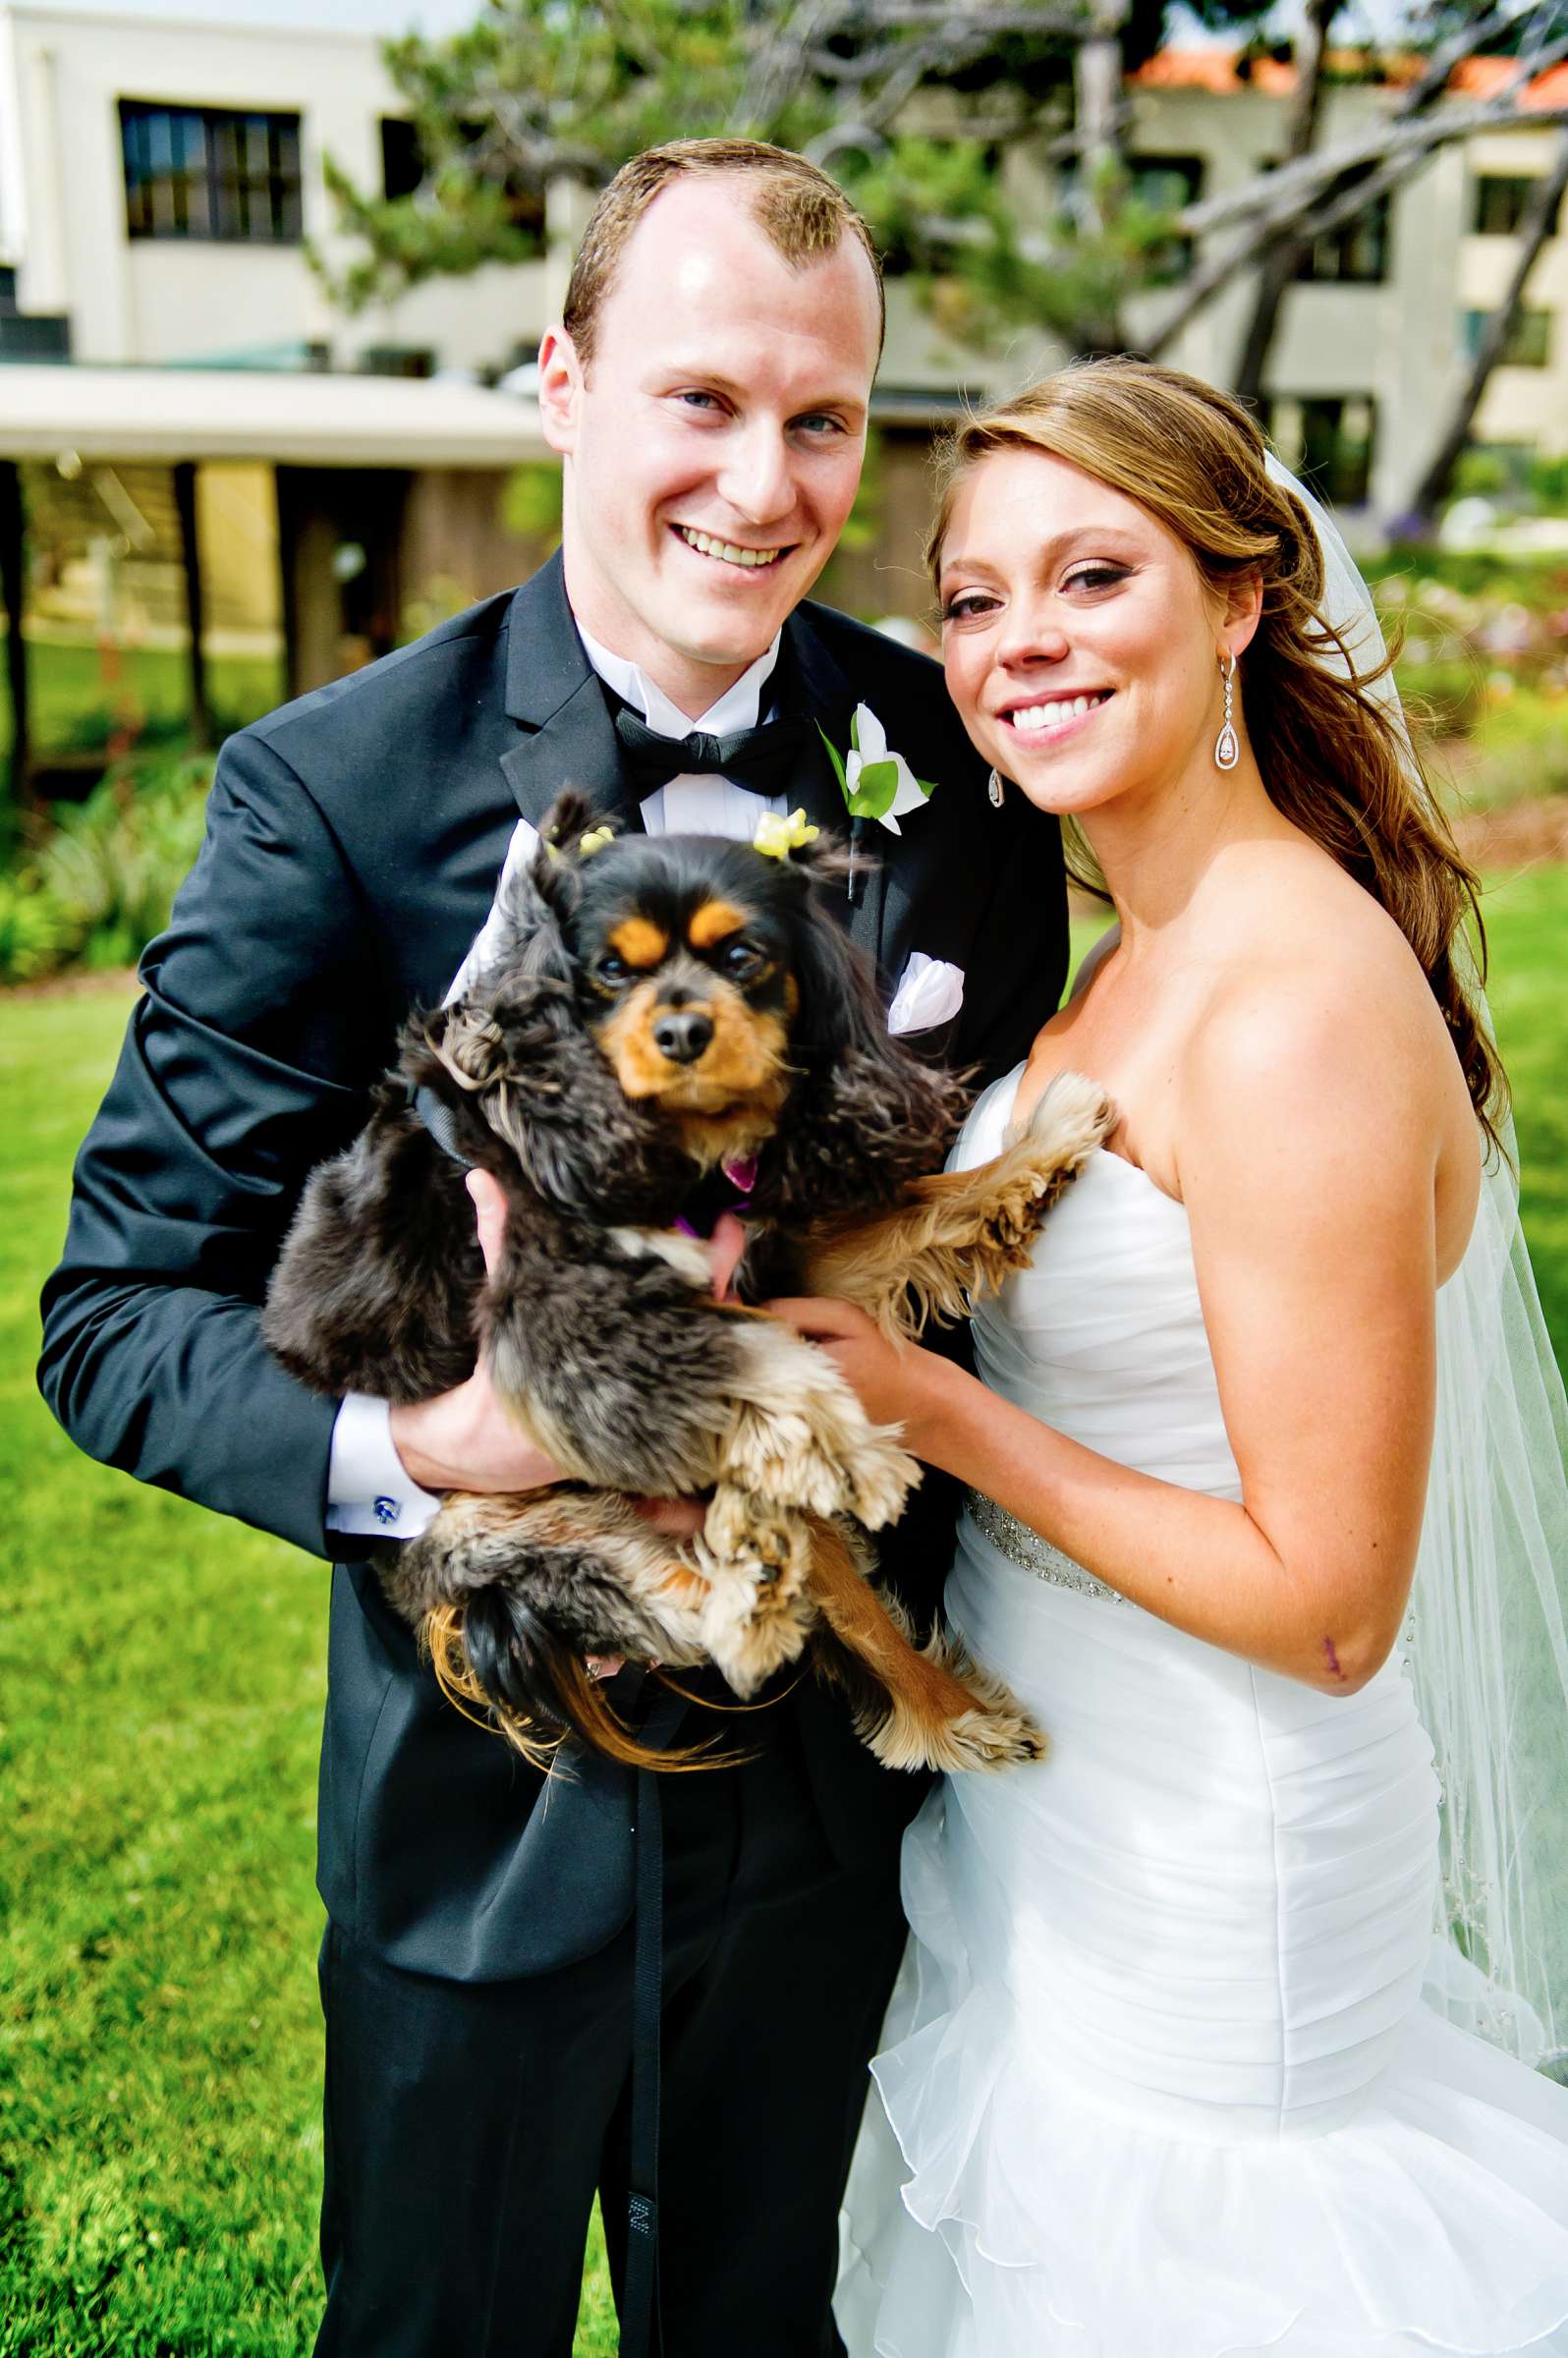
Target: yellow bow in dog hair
[
  {"x": 593, "y": 841},
  {"x": 777, "y": 837}
]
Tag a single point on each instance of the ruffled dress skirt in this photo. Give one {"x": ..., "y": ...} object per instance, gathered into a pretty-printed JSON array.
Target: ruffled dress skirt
[{"x": 1158, "y": 2080}]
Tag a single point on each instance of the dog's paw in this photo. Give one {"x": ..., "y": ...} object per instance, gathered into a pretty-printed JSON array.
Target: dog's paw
[
  {"x": 1074, "y": 1116},
  {"x": 878, "y": 1478},
  {"x": 982, "y": 1723},
  {"x": 750, "y": 1634},
  {"x": 861, "y": 1472},
  {"x": 750, "y": 1540},
  {"x": 984, "y": 1738},
  {"x": 1071, "y": 1119}
]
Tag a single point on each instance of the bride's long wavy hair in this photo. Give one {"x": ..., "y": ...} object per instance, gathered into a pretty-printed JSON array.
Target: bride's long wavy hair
[{"x": 1331, "y": 758}]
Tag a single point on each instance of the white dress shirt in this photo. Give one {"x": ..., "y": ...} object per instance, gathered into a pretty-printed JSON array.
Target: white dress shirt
[{"x": 367, "y": 1488}]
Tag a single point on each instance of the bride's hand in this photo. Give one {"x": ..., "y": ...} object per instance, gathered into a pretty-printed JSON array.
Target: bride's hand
[{"x": 897, "y": 1383}]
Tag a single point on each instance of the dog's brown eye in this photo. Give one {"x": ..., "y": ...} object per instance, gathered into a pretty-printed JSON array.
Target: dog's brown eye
[
  {"x": 613, "y": 970},
  {"x": 739, "y": 959}
]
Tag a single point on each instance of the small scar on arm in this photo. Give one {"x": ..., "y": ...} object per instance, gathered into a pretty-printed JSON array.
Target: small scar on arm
[{"x": 1333, "y": 1658}]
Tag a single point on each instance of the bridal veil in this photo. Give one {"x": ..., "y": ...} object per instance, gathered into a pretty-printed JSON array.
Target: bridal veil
[{"x": 1486, "y": 1641}]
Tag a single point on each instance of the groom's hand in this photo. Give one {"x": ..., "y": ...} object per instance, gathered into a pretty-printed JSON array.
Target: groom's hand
[{"x": 466, "y": 1439}]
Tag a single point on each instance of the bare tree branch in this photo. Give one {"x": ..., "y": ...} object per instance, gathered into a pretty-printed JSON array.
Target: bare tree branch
[
  {"x": 1275, "y": 196},
  {"x": 1069, "y": 20},
  {"x": 779, "y": 64},
  {"x": 1534, "y": 229},
  {"x": 1098, "y": 79},
  {"x": 1283, "y": 255},
  {"x": 1397, "y": 159}
]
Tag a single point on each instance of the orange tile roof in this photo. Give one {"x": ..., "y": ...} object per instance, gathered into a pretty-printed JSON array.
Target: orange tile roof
[
  {"x": 1215, "y": 70},
  {"x": 1485, "y": 77}
]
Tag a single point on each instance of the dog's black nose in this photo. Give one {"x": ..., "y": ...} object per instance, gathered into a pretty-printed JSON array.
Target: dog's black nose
[{"x": 681, "y": 1033}]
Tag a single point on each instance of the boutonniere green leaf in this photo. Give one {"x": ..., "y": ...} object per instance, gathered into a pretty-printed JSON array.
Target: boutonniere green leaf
[{"x": 874, "y": 781}]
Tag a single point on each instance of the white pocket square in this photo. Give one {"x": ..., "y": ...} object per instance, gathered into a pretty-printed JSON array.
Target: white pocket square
[{"x": 930, "y": 991}]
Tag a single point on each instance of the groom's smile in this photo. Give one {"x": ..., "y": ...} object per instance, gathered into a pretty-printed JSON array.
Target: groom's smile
[
  {"x": 725, "y": 552},
  {"x": 712, "y": 442}
]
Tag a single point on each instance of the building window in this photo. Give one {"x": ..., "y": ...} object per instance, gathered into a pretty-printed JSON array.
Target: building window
[
  {"x": 1502, "y": 200},
  {"x": 210, "y": 172},
  {"x": 1328, "y": 439},
  {"x": 1166, "y": 184},
  {"x": 396, "y": 359},
  {"x": 1529, "y": 341},
  {"x": 402, "y": 158},
  {"x": 1356, "y": 253}
]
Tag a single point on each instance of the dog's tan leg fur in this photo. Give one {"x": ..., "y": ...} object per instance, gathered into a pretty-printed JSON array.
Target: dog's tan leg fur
[
  {"x": 941, "y": 1713},
  {"x": 801, "y": 1438},
  {"x": 960, "y": 1234}
]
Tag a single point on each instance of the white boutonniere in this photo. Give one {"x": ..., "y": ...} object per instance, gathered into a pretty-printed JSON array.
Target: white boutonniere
[{"x": 874, "y": 781}]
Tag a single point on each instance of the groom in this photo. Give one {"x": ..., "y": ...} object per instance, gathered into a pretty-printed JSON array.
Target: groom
[{"x": 707, "y": 392}]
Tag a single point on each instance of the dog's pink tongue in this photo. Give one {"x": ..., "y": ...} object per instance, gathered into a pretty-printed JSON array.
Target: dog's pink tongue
[{"x": 741, "y": 1172}]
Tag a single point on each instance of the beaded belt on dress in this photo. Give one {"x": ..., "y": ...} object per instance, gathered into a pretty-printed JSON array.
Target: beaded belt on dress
[{"x": 1024, "y": 1546}]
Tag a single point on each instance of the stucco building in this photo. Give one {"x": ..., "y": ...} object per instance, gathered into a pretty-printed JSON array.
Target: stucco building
[{"x": 162, "y": 192}]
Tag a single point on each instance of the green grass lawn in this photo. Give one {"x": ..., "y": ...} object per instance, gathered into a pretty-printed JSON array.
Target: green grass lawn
[
  {"x": 161, "y": 1678},
  {"x": 75, "y": 707}
]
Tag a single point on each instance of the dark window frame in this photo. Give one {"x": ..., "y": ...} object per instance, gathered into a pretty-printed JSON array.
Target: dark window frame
[
  {"x": 1497, "y": 214},
  {"x": 402, "y": 158},
  {"x": 1340, "y": 475},
  {"x": 1170, "y": 262},
  {"x": 211, "y": 175},
  {"x": 1532, "y": 327},
  {"x": 1358, "y": 252}
]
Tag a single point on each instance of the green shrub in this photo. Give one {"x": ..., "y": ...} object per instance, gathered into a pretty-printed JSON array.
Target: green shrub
[
  {"x": 1537, "y": 581},
  {"x": 35, "y": 933},
  {"x": 1520, "y": 750},
  {"x": 114, "y": 863},
  {"x": 1442, "y": 696}
]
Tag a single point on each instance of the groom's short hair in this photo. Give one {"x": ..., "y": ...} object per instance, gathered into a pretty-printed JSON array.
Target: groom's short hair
[{"x": 799, "y": 209}]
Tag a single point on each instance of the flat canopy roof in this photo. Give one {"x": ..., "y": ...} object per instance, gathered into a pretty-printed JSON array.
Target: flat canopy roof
[{"x": 299, "y": 420}]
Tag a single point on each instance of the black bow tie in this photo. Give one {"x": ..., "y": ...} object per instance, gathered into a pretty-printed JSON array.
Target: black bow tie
[{"x": 763, "y": 759}]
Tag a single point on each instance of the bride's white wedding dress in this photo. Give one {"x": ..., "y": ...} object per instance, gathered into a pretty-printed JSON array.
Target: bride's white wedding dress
[{"x": 1157, "y": 2080}]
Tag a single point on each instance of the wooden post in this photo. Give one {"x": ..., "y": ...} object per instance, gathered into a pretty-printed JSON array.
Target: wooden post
[
  {"x": 14, "y": 592},
  {"x": 191, "y": 555}
]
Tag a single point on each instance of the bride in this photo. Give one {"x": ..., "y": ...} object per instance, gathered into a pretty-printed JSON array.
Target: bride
[{"x": 1176, "y": 2066}]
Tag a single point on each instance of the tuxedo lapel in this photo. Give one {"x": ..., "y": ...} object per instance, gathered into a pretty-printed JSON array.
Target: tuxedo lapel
[
  {"x": 554, "y": 694},
  {"x": 815, "y": 687}
]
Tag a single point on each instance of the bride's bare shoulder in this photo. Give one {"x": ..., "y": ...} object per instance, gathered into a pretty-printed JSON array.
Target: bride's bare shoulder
[{"x": 1320, "y": 1006}]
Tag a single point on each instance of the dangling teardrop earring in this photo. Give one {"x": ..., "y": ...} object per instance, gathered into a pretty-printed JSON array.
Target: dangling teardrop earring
[
  {"x": 993, "y": 788},
  {"x": 1227, "y": 745}
]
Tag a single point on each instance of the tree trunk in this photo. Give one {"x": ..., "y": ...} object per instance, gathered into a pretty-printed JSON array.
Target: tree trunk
[
  {"x": 1098, "y": 105},
  {"x": 14, "y": 592},
  {"x": 1533, "y": 231},
  {"x": 1283, "y": 255}
]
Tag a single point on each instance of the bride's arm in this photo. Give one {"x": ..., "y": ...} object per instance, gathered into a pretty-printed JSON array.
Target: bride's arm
[{"x": 1307, "y": 1166}]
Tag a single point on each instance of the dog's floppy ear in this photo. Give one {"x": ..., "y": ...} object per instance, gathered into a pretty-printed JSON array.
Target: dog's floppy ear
[
  {"x": 540, "y": 896},
  {"x": 868, "y": 1115},
  {"x": 515, "y": 1068},
  {"x": 497, "y": 1649},
  {"x": 830, "y": 862},
  {"x": 468, "y": 1042}
]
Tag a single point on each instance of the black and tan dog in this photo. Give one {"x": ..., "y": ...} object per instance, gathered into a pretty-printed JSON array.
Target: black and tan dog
[{"x": 671, "y": 1022}]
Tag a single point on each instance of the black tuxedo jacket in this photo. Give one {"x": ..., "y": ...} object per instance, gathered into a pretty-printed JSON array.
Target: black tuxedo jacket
[{"x": 353, "y": 846}]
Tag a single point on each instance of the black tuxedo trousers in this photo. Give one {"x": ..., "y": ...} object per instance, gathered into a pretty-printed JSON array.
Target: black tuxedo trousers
[
  {"x": 479, "y": 1948},
  {"x": 469, "y": 2124}
]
